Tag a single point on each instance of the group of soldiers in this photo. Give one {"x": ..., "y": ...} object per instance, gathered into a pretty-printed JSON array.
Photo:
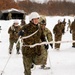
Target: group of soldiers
[
  {"x": 35, "y": 32},
  {"x": 59, "y": 30}
]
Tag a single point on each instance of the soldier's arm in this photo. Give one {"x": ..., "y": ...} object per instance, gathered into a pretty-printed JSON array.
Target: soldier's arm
[
  {"x": 9, "y": 30},
  {"x": 49, "y": 37}
]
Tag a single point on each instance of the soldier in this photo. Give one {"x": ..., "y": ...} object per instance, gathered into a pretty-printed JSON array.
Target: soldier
[
  {"x": 9, "y": 16},
  {"x": 72, "y": 28},
  {"x": 64, "y": 23},
  {"x": 23, "y": 23},
  {"x": 13, "y": 37},
  {"x": 58, "y": 30},
  {"x": 48, "y": 36},
  {"x": 69, "y": 24},
  {"x": 32, "y": 34}
]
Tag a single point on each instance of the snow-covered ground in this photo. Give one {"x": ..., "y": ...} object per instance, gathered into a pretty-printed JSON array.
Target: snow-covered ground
[{"x": 61, "y": 62}]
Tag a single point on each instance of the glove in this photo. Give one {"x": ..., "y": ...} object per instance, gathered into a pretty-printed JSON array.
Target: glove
[
  {"x": 51, "y": 45},
  {"x": 46, "y": 46},
  {"x": 21, "y": 33}
]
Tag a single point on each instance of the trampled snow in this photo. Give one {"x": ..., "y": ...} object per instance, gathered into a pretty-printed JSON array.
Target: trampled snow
[{"x": 62, "y": 62}]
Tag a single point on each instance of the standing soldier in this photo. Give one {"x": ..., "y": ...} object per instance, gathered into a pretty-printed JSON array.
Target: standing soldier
[
  {"x": 9, "y": 16},
  {"x": 22, "y": 23},
  {"x": 32, "y": 35},
  {"x": 48, "y": 36},
  {"x": 13, "y": 38},
  {"x": 58, "y": 30},
  {"x": 69, "y": 24},
  {"x": 72, "y": 28},
  {"x": 64, "y": 24}
]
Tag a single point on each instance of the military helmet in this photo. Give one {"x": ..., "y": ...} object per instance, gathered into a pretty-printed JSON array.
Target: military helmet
[
  {"x": 33, "y": 15},
  {"x": 42, "y": 20},
  {"x": 16, "y": 23}
]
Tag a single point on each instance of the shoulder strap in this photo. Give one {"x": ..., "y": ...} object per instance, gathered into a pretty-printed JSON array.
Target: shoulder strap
[{"x": 30, "y": 35}]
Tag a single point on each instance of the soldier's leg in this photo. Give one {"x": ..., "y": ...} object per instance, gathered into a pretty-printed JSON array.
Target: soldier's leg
[
  {"x": 56, "y": 44},
  {"x": 18, "y": 48},
  {"x": 41, "y": 60},
  {"x": 11, "y": 43},
  {"x": 44, "y": 55},
  {"x": 27, "y": 65},
  {"x": 57, "y": 38}
]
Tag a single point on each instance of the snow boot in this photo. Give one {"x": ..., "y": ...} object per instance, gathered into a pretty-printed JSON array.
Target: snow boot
[{"x": 10, "y": 52}]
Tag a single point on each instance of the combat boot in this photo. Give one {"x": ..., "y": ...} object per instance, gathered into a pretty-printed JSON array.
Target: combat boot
[{"x": 10, "y": 51}]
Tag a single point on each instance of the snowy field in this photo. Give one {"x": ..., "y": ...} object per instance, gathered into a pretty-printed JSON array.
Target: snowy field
[{"x": 61, "y": 62}]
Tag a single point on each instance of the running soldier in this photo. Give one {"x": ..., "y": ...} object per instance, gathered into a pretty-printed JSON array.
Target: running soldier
[
  {"x": 32, "y": 34},
  {"x": 48, "y": 36}
]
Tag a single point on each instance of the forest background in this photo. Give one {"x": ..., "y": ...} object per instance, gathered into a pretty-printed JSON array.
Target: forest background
[{"x": 50, "y": 8}]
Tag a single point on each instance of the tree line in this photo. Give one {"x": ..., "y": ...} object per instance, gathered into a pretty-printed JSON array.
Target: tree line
[{"x": 50, "y": 8}]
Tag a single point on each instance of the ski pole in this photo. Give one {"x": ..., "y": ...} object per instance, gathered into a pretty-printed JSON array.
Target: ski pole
[
  {"x": 50, "y": 63},
  {"x": 5, "y": 65},
  {"x": 8, "y": 59}
]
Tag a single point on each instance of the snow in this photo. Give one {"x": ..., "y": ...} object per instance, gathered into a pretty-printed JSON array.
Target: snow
[{"x": 62, "y": 62}]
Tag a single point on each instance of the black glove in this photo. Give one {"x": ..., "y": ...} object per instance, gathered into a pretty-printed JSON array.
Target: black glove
[
  {"x": 51, "y": 45},
  {"x": 46, "y": 46},
  {"x": 21, "y": 33}
]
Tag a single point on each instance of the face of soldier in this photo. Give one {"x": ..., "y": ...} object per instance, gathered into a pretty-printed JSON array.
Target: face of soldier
[
  {"x": 15, "y": 24},
  {"x": 35, "y": 21},
  {"x": 43, "y": 26}
]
